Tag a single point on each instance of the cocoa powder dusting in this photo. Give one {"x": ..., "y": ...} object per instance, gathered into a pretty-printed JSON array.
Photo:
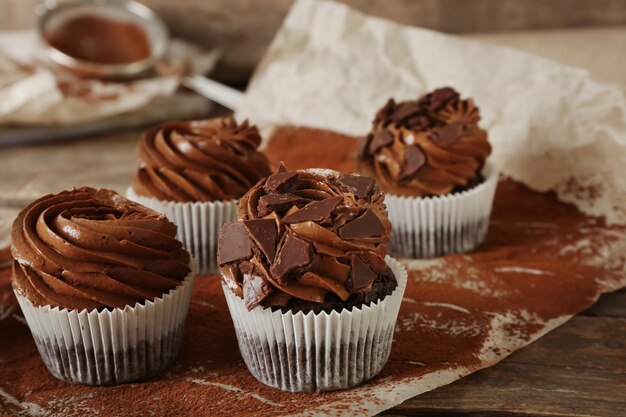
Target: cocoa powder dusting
[
  {"x": 542, "y": 261},
  {"x": 324, "y": 149}
]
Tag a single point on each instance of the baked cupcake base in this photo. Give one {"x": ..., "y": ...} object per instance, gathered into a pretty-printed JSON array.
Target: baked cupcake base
[
  {"x": 199, "y": 224},
  {"x": 317, "y": 352},
  {"x": 111, "y": 347},
  {"x": 79, "y": 365},
  {"x": 427, "y": 227}
]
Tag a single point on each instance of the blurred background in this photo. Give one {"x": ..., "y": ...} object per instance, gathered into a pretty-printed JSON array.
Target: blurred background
[{"x": 244, "y": 28}]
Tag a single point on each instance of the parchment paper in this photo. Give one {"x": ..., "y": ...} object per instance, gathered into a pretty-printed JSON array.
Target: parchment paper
[
  {"x": 35, "y": 92},
  {"x": 543, "y": 262},
  {"x": 552, "y": 126}
]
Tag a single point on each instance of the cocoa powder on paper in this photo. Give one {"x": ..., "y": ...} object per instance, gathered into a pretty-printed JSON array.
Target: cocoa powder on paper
[
  {"x": 533, "y": 267},
  {"x": 310, "y": 148},
  {"x": 83, "y": 89}
]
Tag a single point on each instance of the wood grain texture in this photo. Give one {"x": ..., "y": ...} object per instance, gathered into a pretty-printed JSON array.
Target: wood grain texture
[
  {"x": 578, "y": 369},
  {"x": 610, "y": 305}
]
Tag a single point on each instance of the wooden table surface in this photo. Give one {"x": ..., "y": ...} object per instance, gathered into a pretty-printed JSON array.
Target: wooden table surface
[{"x": 578, "y": 369}]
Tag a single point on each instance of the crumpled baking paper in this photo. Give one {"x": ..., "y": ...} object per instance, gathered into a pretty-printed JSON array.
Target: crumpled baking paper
[
  {"x": 552, "y": 127},
  {"x": 36, "y": 92}
]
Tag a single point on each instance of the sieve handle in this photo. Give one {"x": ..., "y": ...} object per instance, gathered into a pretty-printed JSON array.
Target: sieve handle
[{"x": 219, "y": 93}]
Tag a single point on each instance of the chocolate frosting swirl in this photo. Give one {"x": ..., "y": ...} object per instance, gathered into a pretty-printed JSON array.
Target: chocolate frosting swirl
[
  {"x": 93, "y": 249},
  {"x": 308, "y": 240},
  {"x": 431, "y": 146},
  {"x": 209, "y": 160}
]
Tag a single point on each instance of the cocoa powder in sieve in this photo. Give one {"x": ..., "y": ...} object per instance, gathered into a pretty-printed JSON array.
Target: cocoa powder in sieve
[{"x": 100, "y": 39}]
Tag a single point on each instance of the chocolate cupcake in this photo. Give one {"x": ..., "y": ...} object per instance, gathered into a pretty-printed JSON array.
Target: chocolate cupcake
[
  {"x": 429, "y": 156},
  {"x": 194, "y": 172},
  {"x": 312, "y": 294},
  {"x": 103, "y": 284}
]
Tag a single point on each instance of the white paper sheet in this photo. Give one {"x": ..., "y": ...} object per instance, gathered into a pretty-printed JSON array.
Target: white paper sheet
[{"x": 552, "y": 127}]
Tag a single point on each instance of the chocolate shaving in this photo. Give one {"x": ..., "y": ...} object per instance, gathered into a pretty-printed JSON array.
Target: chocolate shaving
[
  {"x": 317, "y": 211},
  {"x": 404, "y": 112},
  {"x": 255, "y": 288},
  {"x": 265, "y": 234},
  {"x": 280, "y": 182},
  {"x": 361, "y": 186},
  {"x": 415, "y": 115},
  {"x": 419, "y": 123},
  {"x": 440, "y": 98},
  {"x": 361, "y": 275},
  {"x": 292, "y": 253},
  {"x": 233, "y": 244},
  {"x": 447, "y": 135},
  {"x": 381, "y": 139},
  {"x": 279, "y": 203},
  {"x": 281, "y": 167},
  {"x": 367, "y": 225},
  {"x": 414, "y": 159}
]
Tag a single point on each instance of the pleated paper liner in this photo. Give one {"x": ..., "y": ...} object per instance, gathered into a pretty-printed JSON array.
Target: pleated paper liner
[
  {"x": 426, "y": 227},
  {"x": 111, "y": 347},
  {"x": 317, "y": 352},
  {"x": 199, "y": 224}
]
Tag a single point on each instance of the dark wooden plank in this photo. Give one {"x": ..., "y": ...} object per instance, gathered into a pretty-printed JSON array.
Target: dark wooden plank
[
  {"x": 233, "y": 19},
  {"x": 577, "y": 370},
  {"x": 476, "y": 413},
  {"x": 513, "y": 389},
  {"x": 609, "y": 305},
  {"x": 583, "y": 343}
]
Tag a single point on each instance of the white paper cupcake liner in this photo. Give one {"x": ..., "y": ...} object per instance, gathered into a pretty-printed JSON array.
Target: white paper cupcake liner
[
  {"x": 317, "y": 352},
  {"x": 199, "y": 225},
  {"x": 442, "y": 225},
  {"x": 110, "y": 347}
]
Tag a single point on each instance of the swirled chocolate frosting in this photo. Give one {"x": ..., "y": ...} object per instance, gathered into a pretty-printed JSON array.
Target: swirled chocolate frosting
[
  {"x": 308, "y": 240},
  {"x": 93, "y": 249},
  {"x": 209, "y": 160},
  {"x": 431, "y": 146}
]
